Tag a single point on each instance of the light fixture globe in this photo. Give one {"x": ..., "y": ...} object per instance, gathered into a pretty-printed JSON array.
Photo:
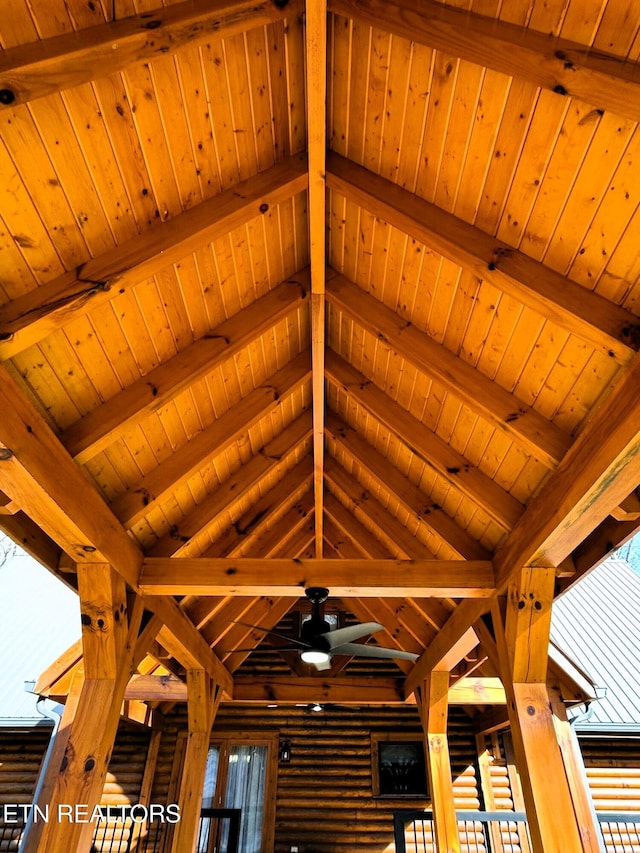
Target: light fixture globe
[{"x": 315, "y": 656}]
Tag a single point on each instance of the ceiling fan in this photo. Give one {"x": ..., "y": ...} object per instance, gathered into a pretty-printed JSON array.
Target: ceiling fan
[{"x": 319, "y": 643}]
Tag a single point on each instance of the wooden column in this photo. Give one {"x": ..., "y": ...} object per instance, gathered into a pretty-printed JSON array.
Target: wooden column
[
  {"x": 577, "y": 777},
  {"x": 203, "y": 698},
  {"x": 523, "y": 647},
  {"x": 432, "y": 698},
  {"x": 73, "y": 782}
]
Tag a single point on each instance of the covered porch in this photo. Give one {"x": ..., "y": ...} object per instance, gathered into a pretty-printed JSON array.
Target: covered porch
[{"x": 307, "y": 302}]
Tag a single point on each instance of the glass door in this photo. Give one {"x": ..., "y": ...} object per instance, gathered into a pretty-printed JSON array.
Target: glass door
[{"x": 236, "y": 777}]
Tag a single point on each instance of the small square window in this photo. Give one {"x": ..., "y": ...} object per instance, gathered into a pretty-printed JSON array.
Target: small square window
[{"x": 399, "y": 768}]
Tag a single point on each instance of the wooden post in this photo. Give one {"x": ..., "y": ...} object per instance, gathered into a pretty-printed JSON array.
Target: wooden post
[
  {"x": 432, "y": 699},
  {"x": 574, "y": 766},
  {"x": 523, "y": 648},
  {"x": 73, "y": 783},
  {"x": 203, "y": 698}
]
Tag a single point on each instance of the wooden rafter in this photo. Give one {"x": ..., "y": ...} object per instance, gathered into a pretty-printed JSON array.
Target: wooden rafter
[
  {"x": 604, "y": 325},
  {"x": 266, "y": 511},
  {"x": 564, "y": 67},
  {"x": 395, "y": 536},
  {"x": 301, "y": 544},
  {"x": 150, "y": 393},
  {"x": 180, "y": 639},
  {"x": 270, "y": 541},
  {"x": 32, "y": 317},
  {"x": 341, "y": 542},
  {"x": 445, "y": 461},
  {"x": 499, "y": 407},
  {"x": 416, "y": 502},
  {"x": 600, "y": 470},
  {"x": 351, "y": 527},
  {"x": 316, "y": 89},
  {"x": 44, "y": 480},
  {"x": 33, "y": 70},
  {"x": 212, "y": 441},
  {"x": 273, "y": 456},
  {"x": 277, "y": 576},
  {"x": 452, "y": 642}
]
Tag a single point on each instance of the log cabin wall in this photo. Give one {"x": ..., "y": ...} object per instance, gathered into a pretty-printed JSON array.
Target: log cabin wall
[
  {"x": 22, "y": 751},
  {"x": 324, "y": 796},
  {"x": 613, "y": 771}
]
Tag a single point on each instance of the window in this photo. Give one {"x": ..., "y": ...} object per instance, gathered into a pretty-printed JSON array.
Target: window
[{"x": 398, "y": 765}]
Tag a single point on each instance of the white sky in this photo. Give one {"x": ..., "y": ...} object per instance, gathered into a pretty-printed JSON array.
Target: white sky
[{"x": 40, "y": 619}]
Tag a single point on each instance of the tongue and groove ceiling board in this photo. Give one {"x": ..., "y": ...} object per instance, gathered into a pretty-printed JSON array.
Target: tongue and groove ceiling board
[{"x": 458, "y": 385}]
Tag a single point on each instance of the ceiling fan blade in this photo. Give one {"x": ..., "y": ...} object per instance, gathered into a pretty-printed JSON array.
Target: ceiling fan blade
[
  {"x": 352, "y": 632},
  {"x": 372, "y": 651},
  {"x": 322, "y": 666}
]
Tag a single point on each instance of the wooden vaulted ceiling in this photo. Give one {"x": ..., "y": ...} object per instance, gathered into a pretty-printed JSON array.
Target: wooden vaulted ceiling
[{"x": 328, "y": 298}]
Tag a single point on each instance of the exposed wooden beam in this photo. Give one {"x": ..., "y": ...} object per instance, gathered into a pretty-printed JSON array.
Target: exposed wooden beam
[
  {"x": 351, "y": 527},
  {"x": 267, "y": 510},
  {"x": 607, "y": 327},
  {"x": 411, "y": 497},
  {"x": 477, "y": 691},
  {"x": 316, "y": 90},
  {"x": 502, "y": 507},
  {"x": 271, "y": 541},
  {"x": 31, "y": 317},
  {"x": 454, "y": 640},
  {"x": 212, "y": 441},
  {"x": 33, "y": 540},
  {"x": 273, "y": 455},
  {"x": 180, "y": 638},
  {"x": 565, "y": 67},
  {"x": 33, "y": 70},
  {"x": 341, "y": 542},
  {"x": 301, "y": 544},
  {"x": 358, "y": 690},
  {"x": 601, "y": 543},
  {"x": 493, "y": 403},
  {"x": 599, "y": 471},
  {"x": 156, "y": 688},
  {"x": 104, "y": 424},
  {"x": 45, "y": 482},
  {"x": 286, "y": 577},
  {"x": 398, "y": 540}
]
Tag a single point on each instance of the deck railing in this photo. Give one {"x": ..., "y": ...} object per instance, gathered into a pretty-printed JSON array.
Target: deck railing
[
  {"x": 504, "y": 832},
  {"x": 479, "y": 832},
  {"x": 219, "y": 832},
  {"x": 620, "y": 831}
]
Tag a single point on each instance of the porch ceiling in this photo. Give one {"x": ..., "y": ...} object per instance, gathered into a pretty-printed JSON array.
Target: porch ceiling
[{"x": 352, "y": 305}]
